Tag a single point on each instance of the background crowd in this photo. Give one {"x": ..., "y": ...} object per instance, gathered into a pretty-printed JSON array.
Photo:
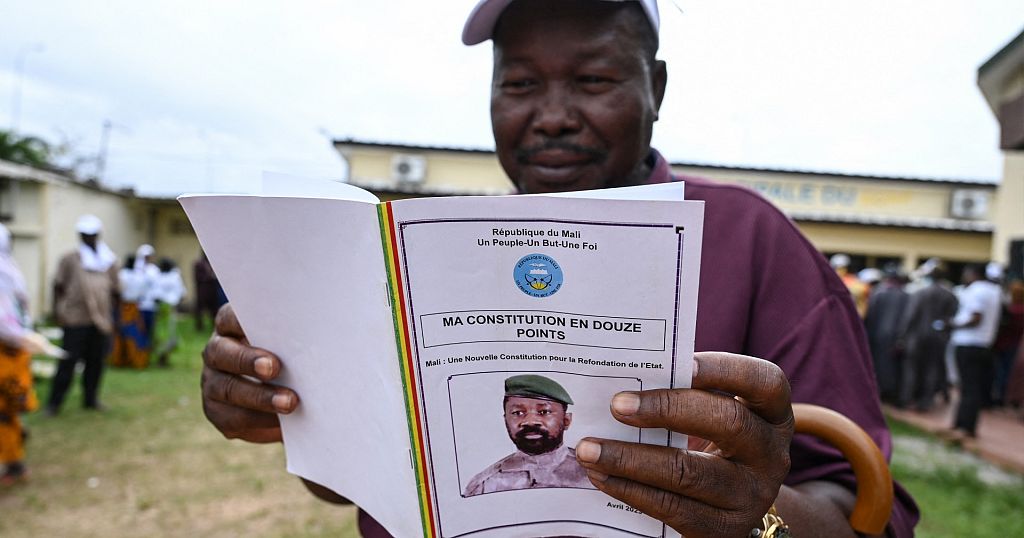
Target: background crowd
[
  {"x": 931, "y": 337},
  {"x": 121, "y": 315}
]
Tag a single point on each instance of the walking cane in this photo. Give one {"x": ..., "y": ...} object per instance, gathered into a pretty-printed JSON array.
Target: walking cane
[{"x": 873, "y": 507}]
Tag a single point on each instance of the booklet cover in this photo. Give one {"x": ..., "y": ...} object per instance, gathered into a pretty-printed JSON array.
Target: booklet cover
[{"x": 450, "y": 352}]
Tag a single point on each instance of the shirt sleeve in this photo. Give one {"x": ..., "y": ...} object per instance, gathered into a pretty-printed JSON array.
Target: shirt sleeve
[
  {"x": 115, "y": 280},
  {"x": 11, "y": 330},
  {"x": 63, "y": 272},
  {"x": 767, "y": 292},
  {"x": 803, "y": 318},
  {"x": 824, "y": 359}
]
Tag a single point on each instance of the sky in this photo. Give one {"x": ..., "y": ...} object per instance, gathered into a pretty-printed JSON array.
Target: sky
[{"x": 203, "y": 96}]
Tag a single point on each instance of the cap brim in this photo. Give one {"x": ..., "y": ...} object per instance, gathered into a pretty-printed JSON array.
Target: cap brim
[
  {"x": 536, "y": 396},
  {"x": 480, "y": 24}
]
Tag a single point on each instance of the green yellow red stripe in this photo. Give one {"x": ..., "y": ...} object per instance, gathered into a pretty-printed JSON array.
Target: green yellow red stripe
[{"x": 404, "y": 343}]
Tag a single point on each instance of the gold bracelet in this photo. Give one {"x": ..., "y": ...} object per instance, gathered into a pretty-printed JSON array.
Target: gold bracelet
[{"x": 773, "y": 526}]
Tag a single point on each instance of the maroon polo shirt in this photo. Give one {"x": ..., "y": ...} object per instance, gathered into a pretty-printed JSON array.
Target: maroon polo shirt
[{"x": 765, "y": 291}]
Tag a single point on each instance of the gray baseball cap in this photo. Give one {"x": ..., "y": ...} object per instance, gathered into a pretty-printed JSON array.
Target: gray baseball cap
[{"x": 480, "y": 24}]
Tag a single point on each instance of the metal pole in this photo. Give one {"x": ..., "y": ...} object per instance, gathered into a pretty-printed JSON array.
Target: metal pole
[
  {"x": 101, "y": 159},
  {"x": 19, "y": 74}
]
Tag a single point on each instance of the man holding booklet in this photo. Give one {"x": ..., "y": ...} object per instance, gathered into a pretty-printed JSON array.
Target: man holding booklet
[{"x": 576, "y": 91}]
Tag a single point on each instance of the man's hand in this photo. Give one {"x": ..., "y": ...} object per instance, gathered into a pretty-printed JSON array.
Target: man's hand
[
  {"x": 723, "y": 489},
  {"x": 236, "y": 396}
]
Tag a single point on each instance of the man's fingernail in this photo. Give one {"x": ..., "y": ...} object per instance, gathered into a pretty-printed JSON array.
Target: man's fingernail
[
  {"x": 596, "y": 475},
  {"x": 696, "y": 364},
  {"x": 283, "y": 402},
  {"x": 264, "y": 366},
  {"x": 588, "y": 451},
  {"x": 626, "y": 403}
]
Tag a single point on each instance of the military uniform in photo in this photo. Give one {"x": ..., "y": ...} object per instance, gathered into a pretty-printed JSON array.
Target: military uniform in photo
[{"x": 542, "y": 460}]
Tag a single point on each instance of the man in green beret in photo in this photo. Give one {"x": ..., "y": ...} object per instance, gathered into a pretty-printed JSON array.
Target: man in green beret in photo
[{"x": 536, "y": 417}]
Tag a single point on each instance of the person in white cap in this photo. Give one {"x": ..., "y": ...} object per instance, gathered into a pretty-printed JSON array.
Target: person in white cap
[
  {"x": 170, "y": 289},
  {"x": 924, "y": 335},
  {"x": 129, "y": 347},
  {"x": 85, "y": 294},
  {"x": 575, "y": 93},
  {"x": 133, "y": 340},
  {"x": 974, "y": 331},
  {"x": 148, "y": 273},
  {"x": 994, "y": 272},
  {"x": 859, "y": 290}
]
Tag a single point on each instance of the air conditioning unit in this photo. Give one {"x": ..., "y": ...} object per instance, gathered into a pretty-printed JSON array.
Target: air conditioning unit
[
  {"x": 408, "y": 168},
  {"x": 969, "y": 204}
]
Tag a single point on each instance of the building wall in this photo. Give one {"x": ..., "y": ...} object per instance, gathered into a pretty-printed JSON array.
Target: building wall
[
  {"x": 1010, "y": 220},
  {"x": 798, "y": 194},
  {"x": 470, "y": 172},
  {"x": 27, "y": 242},
  {"x": 849, "y": 195}
]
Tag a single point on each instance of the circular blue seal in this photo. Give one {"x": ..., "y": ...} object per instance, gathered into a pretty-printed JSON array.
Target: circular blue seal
[{"x": 537, "y": 275}]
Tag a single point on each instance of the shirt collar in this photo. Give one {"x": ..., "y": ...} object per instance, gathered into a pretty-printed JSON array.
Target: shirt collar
[
  {"x": 522, "y": 461},
  {"x": 660, "y": 171}
]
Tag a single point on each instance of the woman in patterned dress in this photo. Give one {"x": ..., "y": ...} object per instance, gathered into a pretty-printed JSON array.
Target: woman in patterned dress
[{"x": 16, "y": 394}]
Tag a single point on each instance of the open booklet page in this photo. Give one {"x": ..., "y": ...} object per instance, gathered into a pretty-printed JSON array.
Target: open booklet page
[
  {"x": 306, "y": 279},
  {"x": 522, "y": 317},
  {"x": 515, "y": 321}
]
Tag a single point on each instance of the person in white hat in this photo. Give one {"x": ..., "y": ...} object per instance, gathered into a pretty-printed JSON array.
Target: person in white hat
[
  {"x": 994, "y": 272},
  {"x": 148, "y": 273},
  {"x": 859, "y": 290},
  {"x": 974, "y": 331},
  {"x": 133, "y": 339},
  {"x": 85, "y": 294},
  {"x": 576, "y": 89}
]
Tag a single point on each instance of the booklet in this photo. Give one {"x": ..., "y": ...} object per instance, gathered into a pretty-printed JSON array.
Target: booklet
[{"x": 449, "y": 353}]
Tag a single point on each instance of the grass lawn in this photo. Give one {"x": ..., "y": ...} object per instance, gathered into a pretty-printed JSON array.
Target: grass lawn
[
  {"x": 152, "y": 466},
  {"x": 959, "y": 495}
]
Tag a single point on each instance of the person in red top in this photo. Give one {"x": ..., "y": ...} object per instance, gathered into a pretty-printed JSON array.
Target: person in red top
[{"x": 576, "y": 90}]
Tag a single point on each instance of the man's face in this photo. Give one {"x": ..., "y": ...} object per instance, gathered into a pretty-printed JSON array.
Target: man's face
[
  {"x": 536, "y": 426},
  {"x": 573, "y": 96},
  {"x": 969, "y": 276},
  {"x": 90, "y": 240}
]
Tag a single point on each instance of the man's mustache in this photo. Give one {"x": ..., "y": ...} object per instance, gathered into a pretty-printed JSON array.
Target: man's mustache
[
  {"x": 525, "y": 155},
  {"x": 527, "y": 430}
]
